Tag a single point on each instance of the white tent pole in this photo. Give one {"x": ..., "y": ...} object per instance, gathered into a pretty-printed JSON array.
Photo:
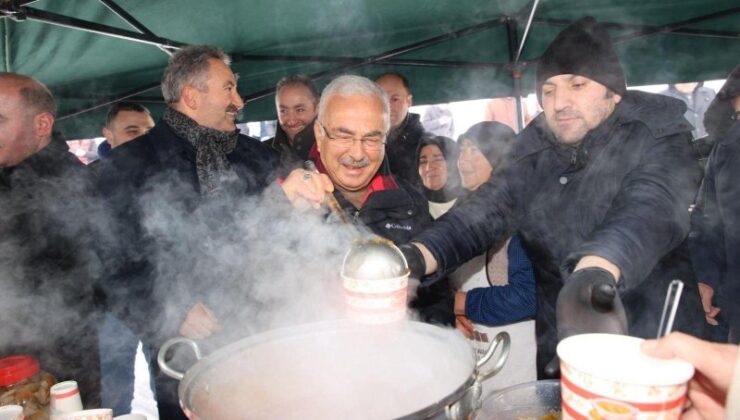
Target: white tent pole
[
  {"x": 6, "y": 44},
  {"x": 526, "y": 30}
]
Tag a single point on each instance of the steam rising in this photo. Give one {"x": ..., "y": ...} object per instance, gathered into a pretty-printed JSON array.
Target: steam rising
[
  {"x": 256, "y": 262},
  {"x": 46, "y": 267}
]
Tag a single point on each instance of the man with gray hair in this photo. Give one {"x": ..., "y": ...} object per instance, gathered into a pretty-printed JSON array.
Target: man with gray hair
[
  {"x": 196, "y": 158},
  {"x": 351, "y": 131},
  {"x": 46, "y": 303}
]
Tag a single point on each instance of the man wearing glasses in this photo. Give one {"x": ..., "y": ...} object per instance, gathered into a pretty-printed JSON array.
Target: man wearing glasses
[{"x": 351, "y": 132}]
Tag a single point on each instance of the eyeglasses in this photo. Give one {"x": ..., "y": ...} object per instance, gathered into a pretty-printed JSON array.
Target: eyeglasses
[{"x": 374, "y": 142}]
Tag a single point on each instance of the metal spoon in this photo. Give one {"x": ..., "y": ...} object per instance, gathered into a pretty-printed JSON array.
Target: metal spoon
[{"x": 670, "y": 307}]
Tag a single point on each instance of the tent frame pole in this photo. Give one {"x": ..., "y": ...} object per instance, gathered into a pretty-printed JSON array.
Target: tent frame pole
[
  {"x": 110, "y": 101},
  {"x": 675, "y": 27},
  {"x": 28, "y": 13},
  {"x": 511, "y": 37},
  {"x": 382, "y": 57},
  {"x": 147, "y": 37},
  {"x": 18, "y": 11},
  {"x": 385, "y": 56},
  {"x": 126, "y": 17},
  {"x": 238, "y": 57},
  {"x": 6, "y": 45}
]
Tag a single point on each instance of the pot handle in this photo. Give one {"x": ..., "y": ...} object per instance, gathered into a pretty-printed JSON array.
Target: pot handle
[
  {"x": 162, "y": 354},
  {"x": 503, "y": 340}
]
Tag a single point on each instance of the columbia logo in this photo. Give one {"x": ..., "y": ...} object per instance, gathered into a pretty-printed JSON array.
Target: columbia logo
[{"x": 397, "y": 226}]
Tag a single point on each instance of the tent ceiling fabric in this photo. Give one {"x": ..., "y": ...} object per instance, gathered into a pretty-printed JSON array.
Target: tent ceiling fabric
[{"x": 84, "y": 69}]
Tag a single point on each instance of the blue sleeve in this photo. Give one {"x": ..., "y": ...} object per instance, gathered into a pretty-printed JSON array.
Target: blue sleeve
[{"x": 516, "y": 301}]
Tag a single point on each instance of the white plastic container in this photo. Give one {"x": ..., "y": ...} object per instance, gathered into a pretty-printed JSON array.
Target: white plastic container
[{"x": 607, "y": 376}]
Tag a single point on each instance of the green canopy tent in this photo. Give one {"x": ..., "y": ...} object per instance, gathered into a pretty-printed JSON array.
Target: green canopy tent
[{"x": 92, "y": 53}]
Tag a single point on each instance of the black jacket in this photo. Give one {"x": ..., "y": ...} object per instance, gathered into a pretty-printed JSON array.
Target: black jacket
[
  {"x": 399, "y": 213},
  {"x": 167, "y": 236},
  {"x": 715, "y": 226},
  {"x": 47, "y": 215},
  {"x": 622, "y": 194},
  {"x": 156, "y": 173},
  {"x": 293, "y": 155},
  {"x": 401, "y": 149},
  {"x": 395, "y": 213}
]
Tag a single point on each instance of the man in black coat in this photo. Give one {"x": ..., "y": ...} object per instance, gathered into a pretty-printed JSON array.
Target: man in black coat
[
  {"x": 174, "y": 194},
  {"x": 47, "y": 212},
  {"x": 351, "y": 130},
  {"x": 715, "y": 227},
  {"x": 406, "y": 129},
  {"x": 297, "y": 103},
  {"x": 124, "y": 122},
  {"x": 599, "y": 188}
]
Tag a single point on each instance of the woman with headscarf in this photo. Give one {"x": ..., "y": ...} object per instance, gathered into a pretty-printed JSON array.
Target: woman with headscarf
[
  {"x": 436, "y": 158},
  {"x": 495, "y": 291}
]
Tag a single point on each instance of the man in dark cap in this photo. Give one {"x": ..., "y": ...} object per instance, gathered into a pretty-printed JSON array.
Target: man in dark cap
[
  {"x": 598, "y": 187},
  {"x": 715, "y": 236}
]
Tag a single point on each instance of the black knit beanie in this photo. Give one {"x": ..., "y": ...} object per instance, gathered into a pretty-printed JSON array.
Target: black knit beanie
[
  {"x": 583, "y": 48},
  {"x": 492, "y": 138}
]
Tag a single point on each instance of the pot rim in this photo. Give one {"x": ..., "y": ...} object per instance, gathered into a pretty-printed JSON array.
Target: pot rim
[{"x": 204, "y": 365}]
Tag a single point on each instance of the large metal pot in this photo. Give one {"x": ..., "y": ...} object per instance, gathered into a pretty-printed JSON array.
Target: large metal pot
[
  {"x": 338, "y": 369},
  {"x": 535, "y": 400}
]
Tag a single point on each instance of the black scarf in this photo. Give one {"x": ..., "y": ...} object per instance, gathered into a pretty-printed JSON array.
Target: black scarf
[
  {"x": 211, "y": 147},
  {"x": 448, "y": 193}
]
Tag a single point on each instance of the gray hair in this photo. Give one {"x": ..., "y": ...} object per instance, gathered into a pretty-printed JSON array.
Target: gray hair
[
  {"x": 298, "y": 80},
  {"x": 349, "y": 85},
  {"x": 189, "y": 66}
]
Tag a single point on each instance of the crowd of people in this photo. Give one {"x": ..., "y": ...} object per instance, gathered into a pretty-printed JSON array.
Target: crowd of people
[{"x": 576, "y": 224}]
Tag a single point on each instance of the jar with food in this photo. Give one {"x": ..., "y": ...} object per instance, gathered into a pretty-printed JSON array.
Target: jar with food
[{"x": 22, "y": 382}]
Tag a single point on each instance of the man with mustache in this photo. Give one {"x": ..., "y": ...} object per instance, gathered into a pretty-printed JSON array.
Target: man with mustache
[
  {"x": 195, "y": 160},
  {"x": 599, "y": 188},
  {"x": 296, "y": 101},
  {"x": 351, "y": 132}
]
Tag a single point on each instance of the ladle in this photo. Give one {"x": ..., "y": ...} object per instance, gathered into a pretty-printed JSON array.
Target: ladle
[
  {"x": 332, "y": 203},
  {"x": 374, "y": 271},
  {"x": 366, "y": 249}
]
